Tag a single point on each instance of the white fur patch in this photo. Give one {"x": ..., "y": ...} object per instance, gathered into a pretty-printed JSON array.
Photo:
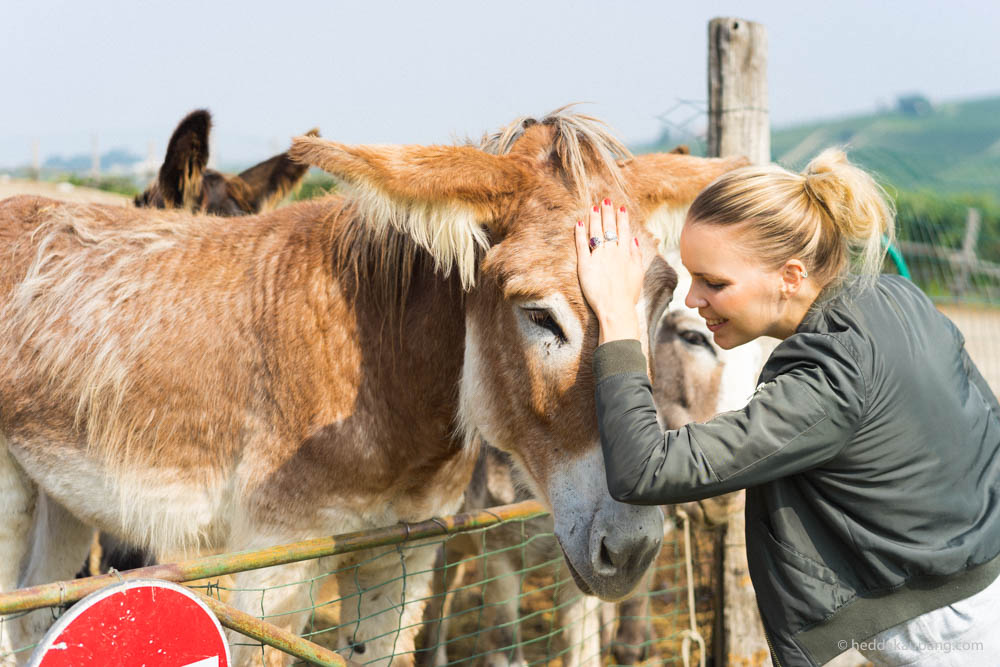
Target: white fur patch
[
  {"x": 449, "y": 231},
  {"x": 665, "y": 223},
  {"x": 155, "y": 507}
]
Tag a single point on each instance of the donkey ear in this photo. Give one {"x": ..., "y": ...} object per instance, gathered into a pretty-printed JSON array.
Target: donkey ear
[
  {"x": 272, "y": 179},
  {"x": 440, "y": 196},
  {"x": 665, "y": 184},
  {"x": 187, "y": 154}
]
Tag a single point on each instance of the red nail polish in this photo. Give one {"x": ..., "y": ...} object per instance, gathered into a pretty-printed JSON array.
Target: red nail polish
[
  {"x": 636, "y": 240},
  {"x": 607, "y": 202},
  {"x": 596, "y": 208},
  {"x": 622, "y": 209},
  {"x": 579, "y": 223}
]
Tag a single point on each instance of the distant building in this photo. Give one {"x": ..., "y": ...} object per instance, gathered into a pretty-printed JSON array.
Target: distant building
[{"x": 913, "y": 104}]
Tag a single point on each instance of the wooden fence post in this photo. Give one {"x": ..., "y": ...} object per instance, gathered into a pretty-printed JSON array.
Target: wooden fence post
[
  {"x": 973, "y": 220},
  {"x": 738, "y": 124}
]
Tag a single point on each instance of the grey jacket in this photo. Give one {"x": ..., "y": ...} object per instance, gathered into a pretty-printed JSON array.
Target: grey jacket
[{"x": 871, "y": 457}]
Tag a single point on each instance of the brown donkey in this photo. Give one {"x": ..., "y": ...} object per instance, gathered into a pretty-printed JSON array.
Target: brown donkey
[
  {"x": 185, "y": 181},
  {"x": 176, "y": 380}
]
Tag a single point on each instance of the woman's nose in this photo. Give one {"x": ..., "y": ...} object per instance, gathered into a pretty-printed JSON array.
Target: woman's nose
[{"x": 693, "y": 300}]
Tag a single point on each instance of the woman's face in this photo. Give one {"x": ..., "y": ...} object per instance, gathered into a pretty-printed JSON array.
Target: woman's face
[{"x": 739, "y": 298}]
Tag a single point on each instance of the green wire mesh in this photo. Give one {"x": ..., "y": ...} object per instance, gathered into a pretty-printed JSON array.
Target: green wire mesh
[{"x": 469, "y": 625}]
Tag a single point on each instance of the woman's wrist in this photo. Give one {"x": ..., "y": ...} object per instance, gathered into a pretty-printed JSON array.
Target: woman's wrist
[{"x": 618, "y": 326}]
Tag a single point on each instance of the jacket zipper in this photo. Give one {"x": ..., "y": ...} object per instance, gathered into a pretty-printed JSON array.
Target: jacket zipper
[{"x": 770, "y": 646}]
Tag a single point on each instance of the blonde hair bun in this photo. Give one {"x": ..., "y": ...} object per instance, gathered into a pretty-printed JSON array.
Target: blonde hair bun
[{"x": 857, "y": 205}]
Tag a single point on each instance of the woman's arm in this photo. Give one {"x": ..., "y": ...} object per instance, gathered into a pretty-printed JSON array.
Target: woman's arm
[{"x": 798, "y": 420}]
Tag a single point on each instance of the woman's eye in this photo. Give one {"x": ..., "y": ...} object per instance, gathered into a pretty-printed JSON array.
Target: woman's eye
[
  {"x": 695, "y": 338},
  {"x": 715, "y": 287},
  {"x": 543, "y": 319}
]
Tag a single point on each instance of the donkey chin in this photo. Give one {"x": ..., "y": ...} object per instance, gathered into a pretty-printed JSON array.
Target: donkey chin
[{"x": 607, "y": 545}]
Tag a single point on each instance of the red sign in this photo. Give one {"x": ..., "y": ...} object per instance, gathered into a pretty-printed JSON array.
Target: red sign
[{"x": 142, "y": 622}]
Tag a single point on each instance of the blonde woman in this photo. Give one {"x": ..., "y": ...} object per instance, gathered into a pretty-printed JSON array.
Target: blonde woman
[{"x": 870, "y": 449}]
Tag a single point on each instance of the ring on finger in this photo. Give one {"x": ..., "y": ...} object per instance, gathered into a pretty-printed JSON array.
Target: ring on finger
[
  {"x": 610, "y": 236},
  {"x": 595, "y": 242}
]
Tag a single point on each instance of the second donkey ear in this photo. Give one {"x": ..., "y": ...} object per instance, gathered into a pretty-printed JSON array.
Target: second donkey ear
[
  {"x": 272, "y": 179},
  {"x": 180, "y": 179},
  {"x": 665, "y": 184}
]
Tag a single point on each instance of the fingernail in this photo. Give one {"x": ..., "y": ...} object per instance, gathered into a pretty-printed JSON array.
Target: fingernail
[
  {"x": 596, "y": 208},
  {"x": 636, "y": 240},
  {"x": 622, "y": 209},
  {"x": 607, "y": 202},
  {"x": 579, "y": 223}
]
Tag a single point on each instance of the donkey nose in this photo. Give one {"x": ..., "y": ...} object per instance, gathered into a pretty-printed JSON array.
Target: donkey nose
[{"x": 621, "y": 552}]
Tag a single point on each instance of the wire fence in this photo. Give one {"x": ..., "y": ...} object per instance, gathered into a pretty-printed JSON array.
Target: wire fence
[
  {"x": 504, "y": 590},
  {"x": 501, "y": 591}
]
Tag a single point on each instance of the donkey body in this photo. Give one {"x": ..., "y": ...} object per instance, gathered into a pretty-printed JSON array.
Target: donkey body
[
  {"x": 177, "y": 380},
  {"x": 185, "y": 182}
]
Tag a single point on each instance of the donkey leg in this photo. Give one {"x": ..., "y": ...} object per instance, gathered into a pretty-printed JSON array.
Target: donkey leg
[
  {"x": 437, "y": 612},
  {"x": 17, "y": 498},
  {"x": 59, "y": 543},
  {"x": 580, "y": 618},
  {"x": 273, "y": 594},
  {"x": 382, "y": 605},
  {"x": 631, "y": 642},
  {"x": 501, "y": 598}
]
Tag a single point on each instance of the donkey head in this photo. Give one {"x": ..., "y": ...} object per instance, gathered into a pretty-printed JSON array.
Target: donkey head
[
  {"x": 502, "y": 215},
  {"x": 185, "y": 182}
]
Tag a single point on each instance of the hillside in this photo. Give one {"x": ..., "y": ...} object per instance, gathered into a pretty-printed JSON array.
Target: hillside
[{"x": 950, "y": 147}]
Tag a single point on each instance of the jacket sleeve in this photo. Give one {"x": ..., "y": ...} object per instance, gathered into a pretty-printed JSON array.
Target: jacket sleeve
[{"x": 801, "y": 417}]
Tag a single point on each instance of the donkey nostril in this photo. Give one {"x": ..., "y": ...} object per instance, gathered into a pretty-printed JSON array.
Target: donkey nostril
[
  {"x": 358, "y": 648},
  {"x": 605, "y": 555}
]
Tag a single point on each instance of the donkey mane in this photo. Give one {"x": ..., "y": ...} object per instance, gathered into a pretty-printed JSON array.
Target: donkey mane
[
  {"x": 577, "y": 138},
  {"x": 382, "y": 258}
]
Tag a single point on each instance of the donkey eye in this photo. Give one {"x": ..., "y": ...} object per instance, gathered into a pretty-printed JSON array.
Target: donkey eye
[
  {"x": 544, "y": 319},
  {"x": 692, "y": 337}
]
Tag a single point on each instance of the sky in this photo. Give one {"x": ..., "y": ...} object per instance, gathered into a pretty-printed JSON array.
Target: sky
[{"x": 374, "y": 71}]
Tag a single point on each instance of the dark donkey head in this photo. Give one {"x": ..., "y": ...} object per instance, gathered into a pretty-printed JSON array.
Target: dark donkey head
[{"x": 185, "y": 182}]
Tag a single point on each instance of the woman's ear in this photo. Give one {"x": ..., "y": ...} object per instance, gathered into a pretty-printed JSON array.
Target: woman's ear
[{"x": 793, "y": 275}]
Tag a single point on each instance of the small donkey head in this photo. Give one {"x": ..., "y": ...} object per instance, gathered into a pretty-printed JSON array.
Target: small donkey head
[{"x": 185, "y": 182}]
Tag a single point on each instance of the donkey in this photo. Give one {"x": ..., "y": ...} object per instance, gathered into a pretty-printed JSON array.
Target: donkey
[
  {"x": 176, "y": 380},
  {"x": 185, "y": 182},
  {"x": 693, "y": 380}
]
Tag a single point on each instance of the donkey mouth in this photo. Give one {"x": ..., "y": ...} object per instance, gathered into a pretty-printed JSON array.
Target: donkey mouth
[{"x": 577, "y": 579}]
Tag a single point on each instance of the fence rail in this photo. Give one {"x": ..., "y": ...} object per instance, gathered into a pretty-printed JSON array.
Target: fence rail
[{"x": 63, "y": 592}]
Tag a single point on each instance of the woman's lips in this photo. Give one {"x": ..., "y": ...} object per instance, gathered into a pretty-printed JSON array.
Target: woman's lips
[{"x": 715, "y": 325}]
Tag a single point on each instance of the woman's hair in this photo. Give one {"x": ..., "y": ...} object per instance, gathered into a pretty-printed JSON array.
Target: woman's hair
[{"x": 831, "y": 216}]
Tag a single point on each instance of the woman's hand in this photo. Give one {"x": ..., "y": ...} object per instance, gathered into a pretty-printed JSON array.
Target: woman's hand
[{"x": 610, "y": 270}]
